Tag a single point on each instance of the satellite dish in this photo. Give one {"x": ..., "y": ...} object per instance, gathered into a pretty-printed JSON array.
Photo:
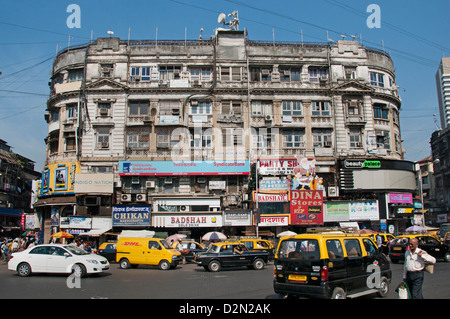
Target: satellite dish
[
  {"x": 221, "y": 18},
  {"x": 110, "y": 32}
]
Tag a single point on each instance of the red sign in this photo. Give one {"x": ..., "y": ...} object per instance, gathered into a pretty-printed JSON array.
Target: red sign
[{"x": 306, "y": 207}]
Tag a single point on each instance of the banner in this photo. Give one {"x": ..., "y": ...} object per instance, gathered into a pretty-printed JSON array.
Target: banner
[
  {"x": 306, "y": 207},
  {"x": 131, "y": 216}
]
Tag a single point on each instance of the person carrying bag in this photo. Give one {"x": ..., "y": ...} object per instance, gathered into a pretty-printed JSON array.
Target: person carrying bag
[{"x": 415, "y": 261}]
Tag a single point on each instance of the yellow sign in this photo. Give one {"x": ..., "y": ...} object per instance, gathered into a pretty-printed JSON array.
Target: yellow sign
[{"x": 59, "y": 178}]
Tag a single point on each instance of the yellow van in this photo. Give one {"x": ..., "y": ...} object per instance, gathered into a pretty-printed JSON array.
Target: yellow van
[{"x": 133, "y": 251}]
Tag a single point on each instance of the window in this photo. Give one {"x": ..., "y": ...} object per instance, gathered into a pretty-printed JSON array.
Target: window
[
  {"x": 320, "y": 108},
  {"x": 200, "y": 73},
  {"x": 261, "y": 108},
  {"x": 230, "y": 73},
  {"x": 350, "y": 72},
  {"x": 137, "y": 108},
  {"x": 169, "y": 107},
  {"x": 293, "y": 138},
  {"x": 292, "y": 108},
  {"x": 70, "y": 143},
  {"x": 380, "y": 111},
  {"x": 316, "y": 74},
  {"x": 138, "y": 138},
  {"x": 231, "y": 107},
  {"x": 200, "y": 108},
  {"x": 101, "y": 169},
  {"x": 383, "y": 140},
  {"x": 377, "y": 79},
  {"x": 334, "y": 248},
  {"x": 352, "y": 247},
  {"x": 169, "y": 72},
  {"x": 370, "y": 247},
  {"x": 103, "y": 137},
  {"x": 71, "y": 111},
  {"x": 166, "y": 139},
  {"x": 262, "y": 138},
  {"x": 55, "y": 116},
  {"x": 299, "y": 249},
  {"x": 232, "y": 137},
  {"x": 141, "y": 73},
  {"x": 354, "y": 107},
  {"x": 260, "y": 73},
  {"x": 290, "y": 74},
  {"x": 355, "y": 138},
  {"x": 76, "y": 75},
  {"x": 107, "y": 70},
  {"x": 321, "y": 137},
  {"x": 201, "y": 139}
]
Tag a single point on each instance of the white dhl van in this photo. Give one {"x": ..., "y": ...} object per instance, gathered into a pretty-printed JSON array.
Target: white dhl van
[{"x": 133, "y": 251}]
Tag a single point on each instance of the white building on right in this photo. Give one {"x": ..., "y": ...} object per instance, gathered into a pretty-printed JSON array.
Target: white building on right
[{"x": 443, "y": 90}]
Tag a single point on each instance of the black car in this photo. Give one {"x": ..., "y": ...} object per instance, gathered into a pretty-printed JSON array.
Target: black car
[
  {"x": 430, "y": 244},
  {"x": 231, "y": 255},
  {"x": 108, "y": 250}
]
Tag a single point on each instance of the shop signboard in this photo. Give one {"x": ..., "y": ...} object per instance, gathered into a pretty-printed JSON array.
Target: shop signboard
[
  {"x": 364, "y": 211},
  {"x": 400, "y": 198},
  {"x": 183, "y": 168},
  {"x": 188, "y": 220},
  {"x": 306, "y": 207},
  {"x": 269, "y": 221},
  {"x": 131, "y": 216},
  {"x": 237, "y": 217}
]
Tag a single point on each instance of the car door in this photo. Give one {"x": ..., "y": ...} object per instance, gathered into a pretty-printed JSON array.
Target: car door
[
  {"x": 59, "y": 260},
  {"x": 227, "y": 256},
  {"x": 432, "y": 246},
  {"x": 37, "y": 258},
  {"x": 244, "y": 258},
  {"x": 356, "y": 272},
  {"x": 153, "y": 253}
]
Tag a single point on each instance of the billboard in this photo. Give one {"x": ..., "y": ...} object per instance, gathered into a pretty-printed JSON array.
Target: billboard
[{"x": 306, "y": 207}]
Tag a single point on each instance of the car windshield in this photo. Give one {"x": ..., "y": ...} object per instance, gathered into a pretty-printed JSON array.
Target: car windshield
[
  {"x": 400, "y": 241},
  {"x": 213, "y": 249},
  {"x": 299, "y": 249},
  {"x": 76, "y": 251},
  {"x": 165, "y": 244}
]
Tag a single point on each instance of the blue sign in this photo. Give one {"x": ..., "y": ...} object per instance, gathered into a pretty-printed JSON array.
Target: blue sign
[{"x": 131, "y": 216}]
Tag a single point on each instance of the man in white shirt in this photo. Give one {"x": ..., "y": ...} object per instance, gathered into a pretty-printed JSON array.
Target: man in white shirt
[{"x": 415, "y": 259}]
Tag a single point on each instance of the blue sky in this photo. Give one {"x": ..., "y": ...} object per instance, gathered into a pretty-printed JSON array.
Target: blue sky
[{"x": 414, "y": 32}]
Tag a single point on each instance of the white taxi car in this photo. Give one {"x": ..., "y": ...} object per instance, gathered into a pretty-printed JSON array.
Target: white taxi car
[{"x": 55, "y": 258}]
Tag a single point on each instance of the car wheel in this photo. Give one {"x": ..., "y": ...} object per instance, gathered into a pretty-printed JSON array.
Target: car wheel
[
  {"x": 24, "y": 270},
  {"x": 164, "y": 265},
  {"x": 384, "y": 287},
  {"x": 338, "y": 293},
  {"x": 214, "y": 266},
  {"x": 79, "y": 270},
  {"x": 447, "y": 257},
  {"x": 124, "y": 263},
  {"x": 258, "y": 264}
]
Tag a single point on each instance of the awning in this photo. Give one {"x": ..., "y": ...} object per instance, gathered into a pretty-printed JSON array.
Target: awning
[
  {"x": 10, "y": 212},
  {"x": 95, "y": 232}
]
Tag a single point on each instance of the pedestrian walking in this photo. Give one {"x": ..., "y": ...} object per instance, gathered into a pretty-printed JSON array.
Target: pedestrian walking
[{"x": 413, "y": 274}]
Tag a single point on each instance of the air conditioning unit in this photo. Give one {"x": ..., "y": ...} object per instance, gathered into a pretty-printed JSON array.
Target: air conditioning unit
[
  {"x": 183, "y": 208},
  {"x": 333, "y": 191},
  {"x": 150, "y": 184},
  {"x": 323, "y": 78},
  {"x": 91, "y": 201},
  {"x": 105, "y": 145},
  {"x": 135, "y": 180},
  {"x": 125, "y": 198},
  {"x": 141, "y": 197},
  {"x": 194, "y": 103},
  {"x": 265, "y": 71},
  {"x": 136, "y": 78},
  {"x": 103, "y": 112},
  {"x": 147, "y": 118},
  {"x": 268, "y": 117},
  {"x": 168, "y": 181}
]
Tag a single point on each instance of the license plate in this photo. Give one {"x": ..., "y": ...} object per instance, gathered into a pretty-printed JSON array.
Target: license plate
[
  {"x": 297, "y": 277},
  {"x": 397, "y": 248}
]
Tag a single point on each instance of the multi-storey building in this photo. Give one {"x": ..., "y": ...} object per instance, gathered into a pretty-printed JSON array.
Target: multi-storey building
[
  {"x": 16, "y": 176},
  {"x": 440, "y": 145},
  {"x": 443, "y": 91},
  {"x": 173, "y": 128}
]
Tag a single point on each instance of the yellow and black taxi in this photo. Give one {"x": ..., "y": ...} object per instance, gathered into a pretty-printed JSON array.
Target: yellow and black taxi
[
  {"x": 330, "y": 265},
  {"x": 231, "y": 254},
  {"x": 189, "y": 248},
  {"x": 385, "y": 240},
  {"x": 430, "y": 244},
  {"x": 107, "y": 250},
  {"x": 259, "y": 244}
]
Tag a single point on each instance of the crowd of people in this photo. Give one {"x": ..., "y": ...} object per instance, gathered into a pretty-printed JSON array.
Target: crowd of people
[{"x": 11, "y": 245}]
